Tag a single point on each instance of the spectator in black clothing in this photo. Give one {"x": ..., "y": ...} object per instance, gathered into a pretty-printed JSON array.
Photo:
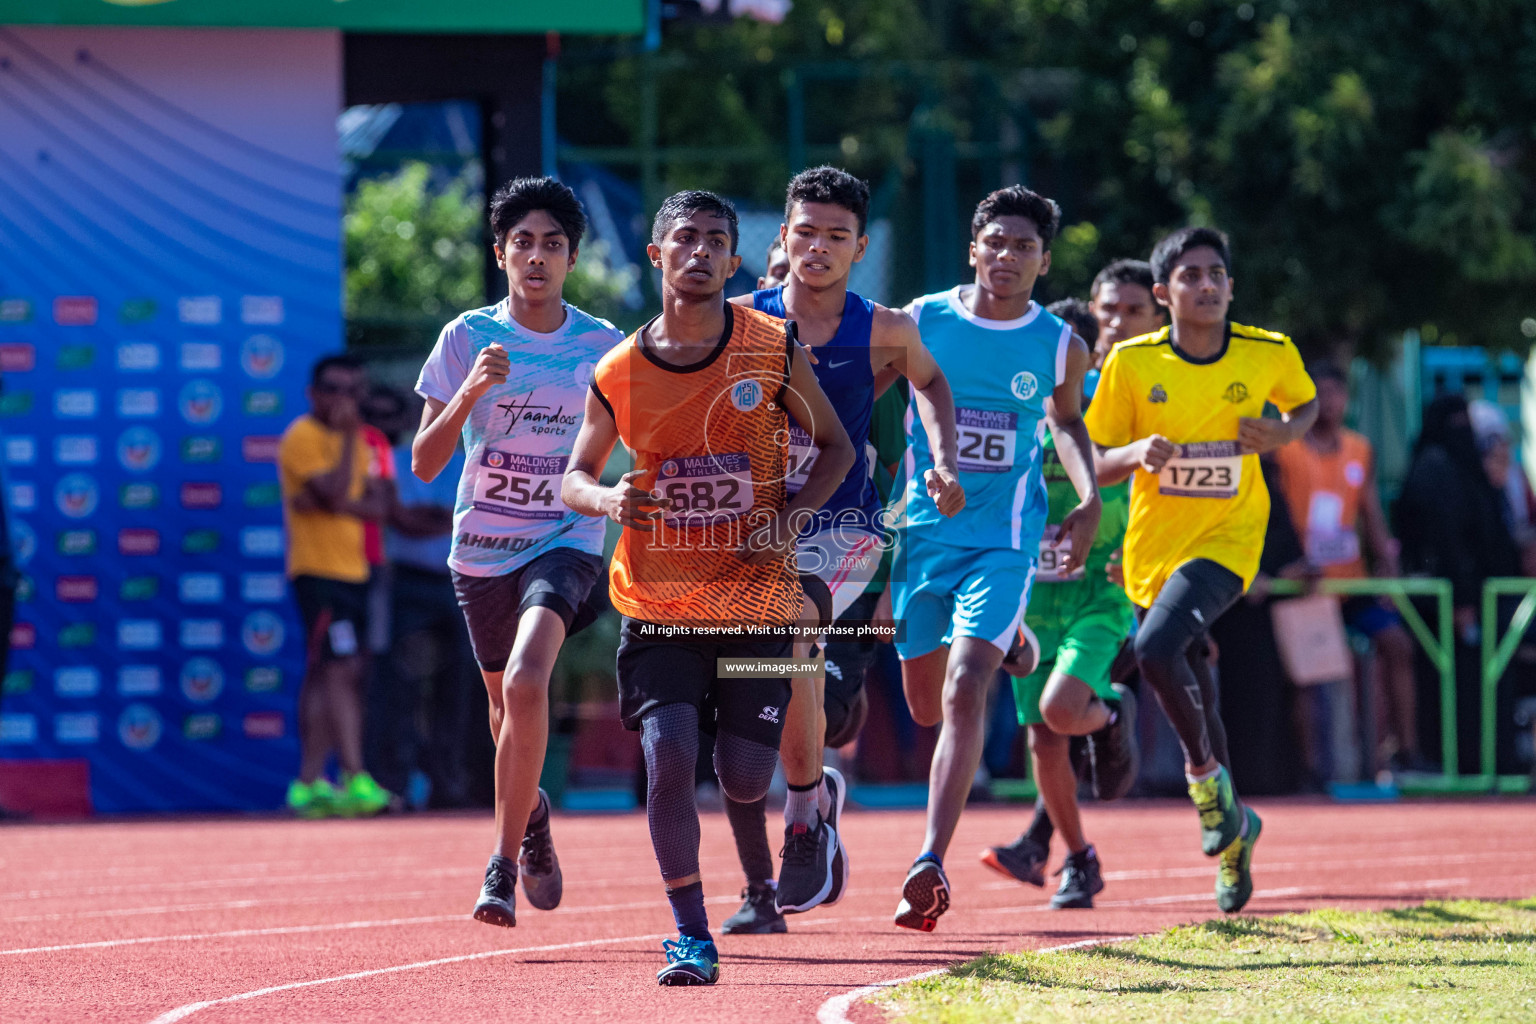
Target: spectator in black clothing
[{"x": 1451, "y": 522}]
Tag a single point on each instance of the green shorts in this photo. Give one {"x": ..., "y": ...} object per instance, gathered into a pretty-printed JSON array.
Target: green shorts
[{"x": 1080, "y": 627}]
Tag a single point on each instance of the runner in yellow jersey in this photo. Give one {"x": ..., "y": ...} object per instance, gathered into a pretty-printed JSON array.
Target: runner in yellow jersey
[{"x": 1181, "y": 410}]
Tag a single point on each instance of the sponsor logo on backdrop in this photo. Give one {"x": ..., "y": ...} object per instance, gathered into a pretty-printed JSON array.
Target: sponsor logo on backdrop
[
  {"x": 139, "y": 634},
  {"x": 263, "y": 725},
  {"x": 77, "y": 681},
  {"x": 18, "y": 680},
  {"x": 263, "y": 587},
  {"x": 259, "y": 448},
  {"x": 79, "y": 727},
  {"x": 77, "y": 542},
  {"x": 139, "y": 588},
  {"x": 78, "y": 634},
  {"x": 26, "y": 589},
  {"x": 201, "y": 495},
  {"x": 23, "y": 636},
  {"x": 201, "y": 401},
  {"x": 75, "y": 404},
  {"x": 75, "y": 357},
  {"x": 261, "y": 541},
  {"x": 263, "y": 679},
  {"x": 138, "y": 541},
  {"x": 17, "y": 357},
  {"x": 266, "y": 494},
  {"x": 200, "y": 309},
  {"x": 262, "y": 632},
  {"x": 138, "y": 311},
  {"x": 76, "y": 495},
  {"x": 138, "y": 403},
  {"x": 261, "y": 356},
  {"x": 263, "y": 403},
  {"x": 202, "y": 634},
  {"x": 139, "y": 495},
  {"x": 261, "y": 310},
  {"x": 138, "y": 449},
  {"x": 200, "y": 587},
  {"x": 20, "y": 451},
  {"x": 139, "y": 727},
  {"x": 15, "y": 403},
  {"x": 21, "y": 497},
  {"x": 200, "y": 542},
  {"x": 23, "y": 541},
  {"x": 76, "y": 589},
  {"x": 201, "y": 355},
  {"x": 138, "y": 680},
  {"x": 20, "y": 730},
  {"x": 74, "y": 450},
  {"x": 15, "y": 311},
  {"x": 202, "y": 680},
  {"x": 201, "y": 448},
  {"x": 74, "y": 310},
  {"x": 138, "y": 357},
  {"x": 202, "y": 726}
]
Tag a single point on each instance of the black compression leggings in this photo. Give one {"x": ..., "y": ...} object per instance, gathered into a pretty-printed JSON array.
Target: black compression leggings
[{"x": 1170, "y": 653}]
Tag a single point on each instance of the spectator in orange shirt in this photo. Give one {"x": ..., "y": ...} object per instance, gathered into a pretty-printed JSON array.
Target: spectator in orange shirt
[{"x": 1329, "y": 484}]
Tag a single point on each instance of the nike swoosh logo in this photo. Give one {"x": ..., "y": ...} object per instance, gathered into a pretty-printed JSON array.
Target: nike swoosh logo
[{"x": 833, "y": 366}]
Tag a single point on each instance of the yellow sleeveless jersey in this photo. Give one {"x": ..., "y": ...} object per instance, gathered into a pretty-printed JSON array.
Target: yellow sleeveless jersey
[
  {"x": 712, "y": 437},
  {"x": 1210, "y": 500}
]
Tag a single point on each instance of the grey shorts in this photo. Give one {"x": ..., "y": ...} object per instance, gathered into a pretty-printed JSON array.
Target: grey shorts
[{"x": 559, "y": 580}]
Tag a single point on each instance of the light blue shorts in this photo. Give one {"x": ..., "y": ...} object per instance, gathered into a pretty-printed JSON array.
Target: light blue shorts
[{"x": 940, "y": 592}]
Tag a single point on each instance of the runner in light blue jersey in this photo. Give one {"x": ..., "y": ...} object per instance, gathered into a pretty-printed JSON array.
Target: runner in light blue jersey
[
  {"x": 960, "y": 585},
  {"x": 512, "y": 379}
]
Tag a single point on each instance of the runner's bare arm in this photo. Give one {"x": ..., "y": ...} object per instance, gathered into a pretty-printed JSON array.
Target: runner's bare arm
[
  {"x": 897, "y": 340},
  {"x": 441, "y": 422},
  {"x": 582, "y": 492},
  {"x": 1064, "y": 413},
  {"x": 1150, "y": 453}
]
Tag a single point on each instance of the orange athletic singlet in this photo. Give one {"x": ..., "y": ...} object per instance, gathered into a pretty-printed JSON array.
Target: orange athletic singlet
[
  {"x": 1323, "y": 493},
  {"x": 712, "y": 437}
]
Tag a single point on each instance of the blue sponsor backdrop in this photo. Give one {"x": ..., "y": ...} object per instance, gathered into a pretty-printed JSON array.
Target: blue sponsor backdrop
[{"x": 169, "y": 269}]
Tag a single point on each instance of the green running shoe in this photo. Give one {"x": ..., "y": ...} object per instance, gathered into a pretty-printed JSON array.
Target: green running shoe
[
  {"x": 689, "y": 962},
  {"x": 316, "y": 799},
  {"x": 362, "y": 797},
  {"x": 1220, "y": 821},
  {"x": 1234, "y": 879}
]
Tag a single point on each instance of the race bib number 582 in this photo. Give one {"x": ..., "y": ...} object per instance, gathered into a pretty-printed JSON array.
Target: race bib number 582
[{"x": 519, "y": 486}]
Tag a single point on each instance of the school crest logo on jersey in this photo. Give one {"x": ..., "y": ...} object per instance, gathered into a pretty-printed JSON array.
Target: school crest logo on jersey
[
  {"x": 1236, "y": 392},
  {"x": 746, "y": 395},
  {"x": 1024, "y": 385},
  {"x": 1157, "y": 396}
]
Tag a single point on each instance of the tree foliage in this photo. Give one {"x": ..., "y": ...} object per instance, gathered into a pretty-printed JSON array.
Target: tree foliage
[{"x": 1374, "y": 163}]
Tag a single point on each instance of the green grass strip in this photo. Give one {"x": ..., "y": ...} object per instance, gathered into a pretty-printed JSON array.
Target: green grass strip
[{"x": 1465, "y": 960}]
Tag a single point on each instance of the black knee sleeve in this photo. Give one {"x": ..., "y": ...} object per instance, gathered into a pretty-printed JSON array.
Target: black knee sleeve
[
  {"x": 669, "y": 735},
  {"x": 744, "y": 767}
]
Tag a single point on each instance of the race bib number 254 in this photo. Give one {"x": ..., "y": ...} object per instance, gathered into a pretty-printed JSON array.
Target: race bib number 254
[{"x": 519, "y": 486}]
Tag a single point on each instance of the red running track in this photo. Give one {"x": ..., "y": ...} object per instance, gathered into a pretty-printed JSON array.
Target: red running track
[{"x": 213, "y": 921}]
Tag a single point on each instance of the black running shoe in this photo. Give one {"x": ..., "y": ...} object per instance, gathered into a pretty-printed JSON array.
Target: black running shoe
[
  {"x": 498, "y": 895},
  {"x": 805, "y": 878},
  {"x": 924, "y": 896},
  {"x": 1023, "y": 859},
  {"x": 757, "y": 916},
  {"x": 537, "y": 863},
  {"x": 1113, "y": 756},
  {"x": 1080, "y": 880},
  {"x": 837, "y": 790},
  {"x": 1023, "y": 656}
]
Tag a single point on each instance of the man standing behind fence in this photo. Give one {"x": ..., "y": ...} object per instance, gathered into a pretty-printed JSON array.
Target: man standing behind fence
[{"x": 327, "y": 496}]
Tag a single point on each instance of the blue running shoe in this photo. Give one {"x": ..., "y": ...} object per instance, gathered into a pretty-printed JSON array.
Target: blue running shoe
[{"x": 690, "y": 961}]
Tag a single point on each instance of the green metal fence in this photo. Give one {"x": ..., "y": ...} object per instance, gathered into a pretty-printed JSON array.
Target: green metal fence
[{"x": 1496, "y": 655}]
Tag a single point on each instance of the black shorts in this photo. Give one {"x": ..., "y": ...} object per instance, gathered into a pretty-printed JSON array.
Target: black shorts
[
  {"x": 656, "y": 670},
  {"x": 335, "y": 616},
  {"x": 559, "y": 580},
  {"x": 847, "y": 662}
]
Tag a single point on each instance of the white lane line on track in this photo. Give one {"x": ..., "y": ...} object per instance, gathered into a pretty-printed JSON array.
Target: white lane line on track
[
  {"x": 187, "y": 1010},
  {"x": 835, "y": 1010}
]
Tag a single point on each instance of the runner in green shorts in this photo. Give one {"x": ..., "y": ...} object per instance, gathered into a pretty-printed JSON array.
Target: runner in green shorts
[{"x": 1079, "y": 622}]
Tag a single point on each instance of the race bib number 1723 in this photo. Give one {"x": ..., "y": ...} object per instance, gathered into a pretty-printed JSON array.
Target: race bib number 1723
[{"x": 1204, "y": 469}]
